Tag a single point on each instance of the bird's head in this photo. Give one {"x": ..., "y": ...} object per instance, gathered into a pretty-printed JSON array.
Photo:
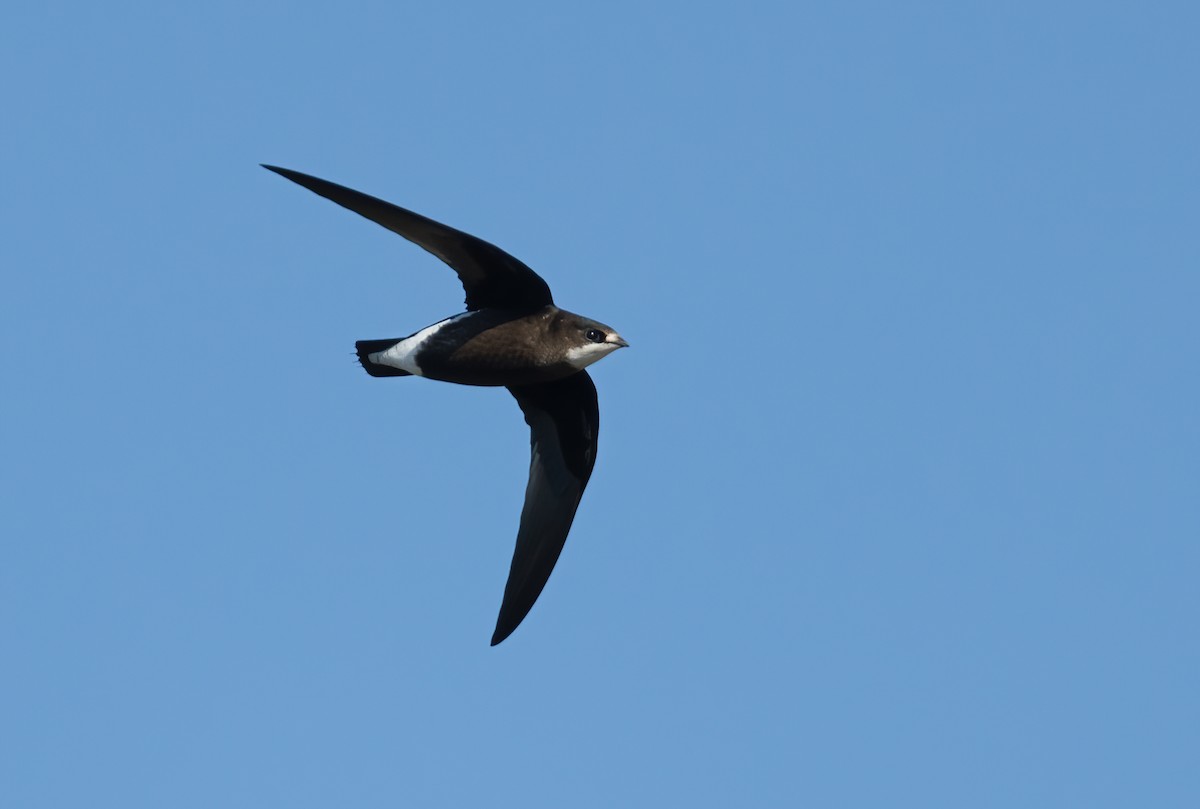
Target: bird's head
[{"x": 586, "y": 340}]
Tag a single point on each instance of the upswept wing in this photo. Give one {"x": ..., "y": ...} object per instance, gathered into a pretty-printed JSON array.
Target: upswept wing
[{"x": 491, "y": 277}]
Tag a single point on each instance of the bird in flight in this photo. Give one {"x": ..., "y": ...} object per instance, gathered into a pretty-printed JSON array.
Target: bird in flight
[{"x": 513, "y": 335}]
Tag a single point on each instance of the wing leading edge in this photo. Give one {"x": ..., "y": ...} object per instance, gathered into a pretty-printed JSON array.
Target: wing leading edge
[
  {"x": 564, "y": 421},
  {"x": 491, "y": 277}
]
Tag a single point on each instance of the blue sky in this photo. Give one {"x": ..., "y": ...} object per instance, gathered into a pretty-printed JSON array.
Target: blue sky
[{"x": 896, "y": 500}]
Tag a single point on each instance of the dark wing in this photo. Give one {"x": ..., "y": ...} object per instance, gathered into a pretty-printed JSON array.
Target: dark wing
[
  {"x": 564, "y": 420},
  {"x": 492, "y": 278}
]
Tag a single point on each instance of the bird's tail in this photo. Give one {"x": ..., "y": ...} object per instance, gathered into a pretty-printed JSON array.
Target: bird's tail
[{"x": 366, "y": 348}]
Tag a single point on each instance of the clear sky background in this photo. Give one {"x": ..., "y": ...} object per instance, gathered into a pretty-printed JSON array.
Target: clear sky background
[{"x": 897, "y": 493}]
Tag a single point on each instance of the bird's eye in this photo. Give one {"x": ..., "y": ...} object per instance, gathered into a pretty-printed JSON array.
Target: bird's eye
[{"x": 595, "y": 335}]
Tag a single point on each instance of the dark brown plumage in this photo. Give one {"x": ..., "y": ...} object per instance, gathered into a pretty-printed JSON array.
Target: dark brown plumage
[{"x": 512, "y": 335}]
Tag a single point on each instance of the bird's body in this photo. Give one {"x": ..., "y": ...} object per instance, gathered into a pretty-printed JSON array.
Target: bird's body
[
  {"x": 511, "y": 335},
  {"x": 490, "y": 347}
]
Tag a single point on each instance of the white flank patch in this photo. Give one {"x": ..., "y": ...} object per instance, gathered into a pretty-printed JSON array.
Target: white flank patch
[
  {"x": 581, "y": 357},
  {"x": 403, "y": 355}
]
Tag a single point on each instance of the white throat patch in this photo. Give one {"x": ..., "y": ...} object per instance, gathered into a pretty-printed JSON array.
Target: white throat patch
[{"x": 581, "y": 357}]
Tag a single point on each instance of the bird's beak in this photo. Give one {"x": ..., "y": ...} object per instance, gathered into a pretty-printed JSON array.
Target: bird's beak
[{"x": 617, "y": 340}]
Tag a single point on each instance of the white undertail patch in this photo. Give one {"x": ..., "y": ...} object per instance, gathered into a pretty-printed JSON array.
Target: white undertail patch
[{"x": 403, "y": 355}]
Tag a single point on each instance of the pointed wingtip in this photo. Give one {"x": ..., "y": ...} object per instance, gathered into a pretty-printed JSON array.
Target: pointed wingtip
[{"x": 501, "y": 634}]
